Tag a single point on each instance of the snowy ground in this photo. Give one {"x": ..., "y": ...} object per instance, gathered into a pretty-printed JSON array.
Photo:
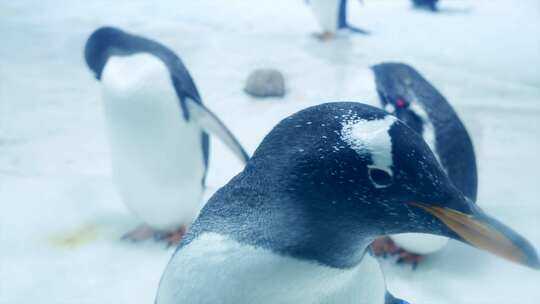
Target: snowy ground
[{"x": 55, "y": 180}]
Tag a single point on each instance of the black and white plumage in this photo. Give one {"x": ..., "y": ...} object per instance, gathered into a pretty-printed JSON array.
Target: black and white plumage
[
  {"x": 157, "y": 126},
  {"x": 404, "y": 93},
  {"x": 294, "y": 226}
]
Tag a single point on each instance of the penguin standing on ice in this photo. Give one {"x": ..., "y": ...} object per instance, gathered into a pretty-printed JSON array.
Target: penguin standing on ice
[
  {"x": 404, "y": 93},
  {"x": 158, "y": 130},
  {"x": 332, "y": 16},
  {"x": 295, "y": 225}
]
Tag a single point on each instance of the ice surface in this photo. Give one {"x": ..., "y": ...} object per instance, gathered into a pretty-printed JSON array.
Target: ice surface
[{"x": 55, "y": 178}]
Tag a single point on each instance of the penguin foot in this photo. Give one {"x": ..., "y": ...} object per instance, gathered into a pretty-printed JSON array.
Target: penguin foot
[
  {"x": 325, "y": 36},
  {"x": 141, "y": 233},
  {"x": 385, "y": 247},
  {"x": 174, "y": 238},
  {"x": 382, "y": 247},
  {"x": 144, "y": 233}
]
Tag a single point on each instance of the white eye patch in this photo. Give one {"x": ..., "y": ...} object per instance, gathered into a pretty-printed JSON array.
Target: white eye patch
[
  {"x": 371, "y": 136},
  {"x": 428, "y": 133}
]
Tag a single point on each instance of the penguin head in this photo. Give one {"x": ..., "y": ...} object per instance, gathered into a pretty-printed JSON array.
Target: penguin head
[
  {"x": 104, "y": 43},
  {"x": 397, "y": 85},
  {"x": 402, "y": 108},
  {"x": 365, "y": 171}
]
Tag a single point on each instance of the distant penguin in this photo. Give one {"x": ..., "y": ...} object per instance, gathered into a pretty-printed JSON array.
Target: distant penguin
[
  {"x": 410, "y": 97},
  {"x": 426, "y": 4},
  {"x": 294, "y": 226},
  {"x": 332, "y": 16},
  {"x": 158, "y": 130}
]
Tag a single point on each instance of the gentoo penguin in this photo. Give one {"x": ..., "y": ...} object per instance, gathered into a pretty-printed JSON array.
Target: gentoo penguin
[
  {"x": 158, "y": 130},
  {"x": 426, "y": 4},
  {"x": 294, "y": 226},
  {"x": 404, "y": 93},
  {"x": 332, "y": 16}
]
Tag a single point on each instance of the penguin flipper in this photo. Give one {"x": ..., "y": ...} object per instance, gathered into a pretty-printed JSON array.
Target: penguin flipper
[
  {"x": 390, "y": 299},
  {"x": 211, "y": 124}
]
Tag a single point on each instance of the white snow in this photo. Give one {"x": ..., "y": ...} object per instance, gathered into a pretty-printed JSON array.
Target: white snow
[{"x": 55, "y": 177}]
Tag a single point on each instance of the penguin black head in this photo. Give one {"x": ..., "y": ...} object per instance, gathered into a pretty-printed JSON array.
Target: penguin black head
[
  {"x": 335, "y": 176},
  {"x": 99, "y": 47},
  {"x": 405, "y": 93},
  {"x": 106, "y": 42},
  {"x": 398, "y": 88},
  {"x": 401, "y": 108}
]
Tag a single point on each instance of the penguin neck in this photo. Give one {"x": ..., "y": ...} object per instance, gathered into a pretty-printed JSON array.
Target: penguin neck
[
  {"x": 274, "y": 237},
  {"x": 285, "y": 226},
  {"x": 260, "y": 272},
  {"x": 323, "y": 238}
]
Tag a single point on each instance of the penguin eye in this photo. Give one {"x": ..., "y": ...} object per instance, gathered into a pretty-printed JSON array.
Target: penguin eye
[
  {"x": 380, "y": 178},
  {"x": 401, "y": 103}
]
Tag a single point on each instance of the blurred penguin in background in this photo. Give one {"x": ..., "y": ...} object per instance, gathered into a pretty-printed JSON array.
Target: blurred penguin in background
[
  {"x": 158, "y": 131},
  {"x": 332, "y": 16},
  {"x": 406, "y": 94},
  {"x": 426, "y": 4}
]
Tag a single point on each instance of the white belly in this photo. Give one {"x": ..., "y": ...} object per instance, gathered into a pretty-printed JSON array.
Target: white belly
[
  {"x": 215, "y": 269},
  {"x": 420, "y": 243},
  {"x": 156, "y": 156},
  {"x": 326, "y": 12}
]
